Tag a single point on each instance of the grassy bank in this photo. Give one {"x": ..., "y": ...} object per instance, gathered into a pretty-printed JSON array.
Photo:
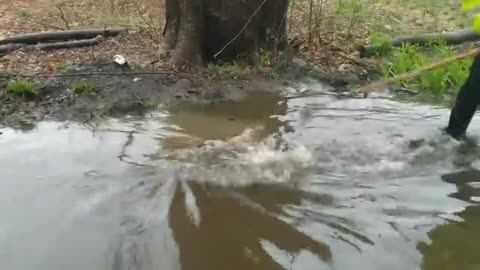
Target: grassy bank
[
  {"x": 346, "y": 24},
  {"x": 443, "y": 80},
  {"x": 328, "y": 33}
]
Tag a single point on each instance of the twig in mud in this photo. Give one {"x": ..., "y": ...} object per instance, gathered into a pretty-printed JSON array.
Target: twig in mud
[
  {"x": 378, "y": 86},
  {"x": 87, "y": 121},
  {"x": 62, "y": 16},
  {"x": 125, "y": 145},
  {"x": 35, "y": 21},
  {"x": 139, "y": 100},
  {"x": 90, "y": 117},
  {"x": 292, "y": 260}
]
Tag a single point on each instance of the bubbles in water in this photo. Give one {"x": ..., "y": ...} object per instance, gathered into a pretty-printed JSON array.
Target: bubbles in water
[{"x": 242, "y": 161}]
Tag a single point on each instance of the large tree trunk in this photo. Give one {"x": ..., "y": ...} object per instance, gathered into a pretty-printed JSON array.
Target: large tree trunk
[{"x": 201, "y": 31}]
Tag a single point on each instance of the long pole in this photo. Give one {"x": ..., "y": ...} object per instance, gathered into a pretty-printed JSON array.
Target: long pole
[{"x": 378, "y": 86}]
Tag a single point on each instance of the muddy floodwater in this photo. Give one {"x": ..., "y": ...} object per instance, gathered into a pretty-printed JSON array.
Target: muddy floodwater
[{"x": 267, "y": 183}]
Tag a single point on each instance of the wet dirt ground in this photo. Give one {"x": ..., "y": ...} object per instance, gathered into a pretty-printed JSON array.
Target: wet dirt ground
[{"x": 116, "y": 91}]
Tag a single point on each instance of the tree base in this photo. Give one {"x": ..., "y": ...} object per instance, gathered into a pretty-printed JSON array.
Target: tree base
[{"x": 201, "y": 31}]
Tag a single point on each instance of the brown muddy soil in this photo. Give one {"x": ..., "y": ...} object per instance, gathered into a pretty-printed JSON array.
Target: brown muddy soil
[{"x": 120, "y": 93}]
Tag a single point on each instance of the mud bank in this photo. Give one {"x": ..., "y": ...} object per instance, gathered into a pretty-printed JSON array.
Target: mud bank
[{"x": 116, "y": 95}]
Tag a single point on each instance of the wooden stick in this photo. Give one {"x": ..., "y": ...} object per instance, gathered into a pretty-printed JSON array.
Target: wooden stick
[
  {"x": 67, "y": 44},
  {"x": 34, "y": 38},
  {"x": 50, "y": 46},
  {"x": 378, "y": 86},
  {"x": 11, "y": 47}
]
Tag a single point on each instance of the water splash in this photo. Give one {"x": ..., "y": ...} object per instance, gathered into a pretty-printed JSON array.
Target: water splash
[{"x": 242, "y": 160}]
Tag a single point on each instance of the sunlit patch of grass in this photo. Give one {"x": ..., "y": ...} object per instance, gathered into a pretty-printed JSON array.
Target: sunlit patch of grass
[
  {"x": 382, "y": 42},
  {"x": 446, "y": 79},
  {"x": 82, "y": 87},
  {"x": 21, "y": 88}
]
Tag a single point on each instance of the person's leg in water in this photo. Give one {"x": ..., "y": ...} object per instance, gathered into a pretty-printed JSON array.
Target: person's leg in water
[{"x": 468, "y": 99}]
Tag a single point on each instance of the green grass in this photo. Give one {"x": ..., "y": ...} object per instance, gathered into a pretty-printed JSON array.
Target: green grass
[
  {"x": 272, "y": 75},
  {"x": 82, "y": 87},
  {"x": 410, "y": 17},
  {"x": 25, "y": 16},
  {"x": 266, "y": 58},
  {"x": 62, "y": 66},
  {"x": 235, "y": 70},
  {"x": 381, "y": 42},
  {"x": 21, "y": 88},
  {"x": 444, "y": 80}
]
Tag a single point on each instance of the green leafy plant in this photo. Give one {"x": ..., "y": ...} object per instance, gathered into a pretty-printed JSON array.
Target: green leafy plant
[
  {"x": 25, "y": 15},
  {"x": 439, "y": 81},
  {"x": 272, "y": 75},
  {"x": 21, "y": 88},
  {"x": 381, "y": 42},
  {"x": 62, "y": 66},
  {"x": 234, "y": 69},
  {"x": 82, "y": 87},
  {"x": 266, "y": 57}
]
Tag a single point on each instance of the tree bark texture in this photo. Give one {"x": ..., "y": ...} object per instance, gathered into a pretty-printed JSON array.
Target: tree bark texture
[{"x": 201, "y": 31}]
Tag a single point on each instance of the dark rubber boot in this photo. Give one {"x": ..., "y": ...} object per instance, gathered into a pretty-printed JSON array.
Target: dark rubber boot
[{"x": 466, "y": 104}]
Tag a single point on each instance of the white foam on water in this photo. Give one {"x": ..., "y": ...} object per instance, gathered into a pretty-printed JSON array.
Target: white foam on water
[
  {"x": 242, "y": 160},
  {"x": 393, "y": 156},
  {"x": 191, "y": 204}
]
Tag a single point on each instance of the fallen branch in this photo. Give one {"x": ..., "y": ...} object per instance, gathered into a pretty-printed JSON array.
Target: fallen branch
[
  {"x": 62, "y": 35},
  {"x": 67, "y": 44},
  {"x": 451, "y": 38},
  {"x": 365, "y": 90},
  {"x": 49, "y": 46},
  {"x": 91, "y": 74},
  {"x": 10, "y": 47}
]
